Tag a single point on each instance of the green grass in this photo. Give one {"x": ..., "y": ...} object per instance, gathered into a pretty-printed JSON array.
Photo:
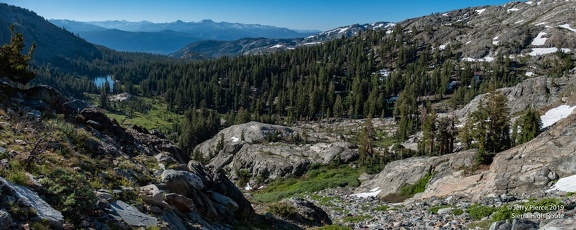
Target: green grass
[
  {"x": 418, "y": 187},
  {"x": 478, "y": 212},
  {"x": 436, "y": 208},
  {"x": 382, "y": 208},
  {"x": 158, "y": 117},
  {"x": 315, "y": 180}
]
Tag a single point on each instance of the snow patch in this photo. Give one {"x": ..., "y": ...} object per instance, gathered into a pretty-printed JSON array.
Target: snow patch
[
  {"x": 518, "y": 22},
  {"x": 539, "y": 40},
  {"x": 277, "y": 46},
  {"x": 248, "y": 187},
  {"x": 371, "y": 193},
  {"x": 567, "y": 26},
  {"x": 495, "y": 41},
  {"x": 480, "y": 11},
  {"x": 512, "y": 10},
  {"x": 566, "y": 184},
  {"x": 544, "y": 51},
  {"x": 235, "y": 139},
  {"x": 445, "y": 14},
  {"x": 529, "y": 74},
  {"x": 442, "y": 47},
  {"x": 541, "y": 24},
  {"x": 556, "y": 114},
  {"x": 485, "y": 59},
  {"x": 529, "y": 2}
]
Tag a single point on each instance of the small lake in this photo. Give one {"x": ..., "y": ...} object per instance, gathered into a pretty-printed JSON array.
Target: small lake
[{"x": 99, "y": 81}]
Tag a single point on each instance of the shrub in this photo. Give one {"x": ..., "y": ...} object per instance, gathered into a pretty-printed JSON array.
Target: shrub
[
  {"x": 457, "y": 211},
  {"x": 478, "y": 212},
  {"x": 417, "y": 187},
  {"x": 436, "y": 208},
  {"x": 382, "y": 208},
  {"x": 283, "y": 209},
  {"x": 69, "y": 192}
]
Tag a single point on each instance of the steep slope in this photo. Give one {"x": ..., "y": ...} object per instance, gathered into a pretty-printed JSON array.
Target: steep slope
[
  {"x": 81, "y": 169},
  {"x": 53, "y": 43},
  {"x": 515, "y": 29}
]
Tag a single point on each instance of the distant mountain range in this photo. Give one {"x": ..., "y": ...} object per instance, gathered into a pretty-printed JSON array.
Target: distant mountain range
[
  {"x": 215, "y": 49},
  {"x": 166, "y": 38}
]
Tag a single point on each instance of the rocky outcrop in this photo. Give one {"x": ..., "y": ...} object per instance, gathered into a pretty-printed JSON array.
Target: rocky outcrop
[
  {"x": 203, "y": 194},
  {"x": 28, "y": 199},
  {"x": 257, "y": 150},
  {"x": 408, "y": 171},
  {"x": 131, "y": 216},
  {"x": 537, "y": 93},
  {"x": 307, "y": 213}
]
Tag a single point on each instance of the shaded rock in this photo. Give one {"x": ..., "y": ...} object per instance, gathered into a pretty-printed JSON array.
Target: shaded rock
[
  {"x": 30, "y": 199},
  {"x": 181, "y": 182},
  {"x": 52, "y": 97},
  {"x": 308, "y": 213},
  {"x": 182, "y": 203},
  {"x": 131, "y": 216},
  {"x": 217, "y": 181},
  {"x": 172, "y": 221},
  {"x": 75, "y": 106},
  {"x": 5, "y": 220},
  {"x": 224, "y": 200}
]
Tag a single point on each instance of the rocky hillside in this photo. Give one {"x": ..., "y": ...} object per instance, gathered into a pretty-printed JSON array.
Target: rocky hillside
[{"x": 66, "y": 165}]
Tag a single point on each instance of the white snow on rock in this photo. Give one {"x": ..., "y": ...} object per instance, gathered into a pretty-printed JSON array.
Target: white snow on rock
[
  {"x": 544, "y": 51},
  {"x": 235, "y": 139},
  {"x": 541, "y": 24},
  {"x": 442, "y": 47},
  {"x": 445, "y": 14},
  {"x": 556, "y": 114},
  {"x": 567, "y": 26},
  {"x": 539, "y": 40},
  {"x": 485, "y": 59},
  {"x": 566, "y": 184},
  {"x": 277, "y": 46},
  {"x": 495, "y": 40},
  {"x": 529, "y": 74},
  {"x": 248, "y": 187},
  {"x": 512, "y": 10},
  {"x": 529, "y": 2},
  {"x": 372, "y": 192},
  {"x": 480, "y": 11}
]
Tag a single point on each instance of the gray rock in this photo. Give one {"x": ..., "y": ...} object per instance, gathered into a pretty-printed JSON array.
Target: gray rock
[
  {"x": 151, "y": 194},
  {"x": 308, "y": 212},
  {"x": 75, "y": 106},
  {"x": 224, "y": 200},
  {"x": 30, "y": 199},
  {"x": 5, "y": 220},
  {"x": 559, "y": 224},
  {"x": 131, "y": 216},
  {"x": 173, "y": 221},
  {"x": 181, "y": 182}
]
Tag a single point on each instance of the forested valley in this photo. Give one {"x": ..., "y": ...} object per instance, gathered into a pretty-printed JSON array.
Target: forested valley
[{"x": 373, "y": 74}]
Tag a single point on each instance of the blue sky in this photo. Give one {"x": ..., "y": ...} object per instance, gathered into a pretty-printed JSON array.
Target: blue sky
[{"x": 293, "y": 14}]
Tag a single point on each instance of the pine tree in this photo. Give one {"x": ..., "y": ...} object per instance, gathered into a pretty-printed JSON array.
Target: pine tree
[
  {"x": 528, "y": 126},
  {"x": 490, "y": 125},
  {"x": 13, "y": 64}
]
